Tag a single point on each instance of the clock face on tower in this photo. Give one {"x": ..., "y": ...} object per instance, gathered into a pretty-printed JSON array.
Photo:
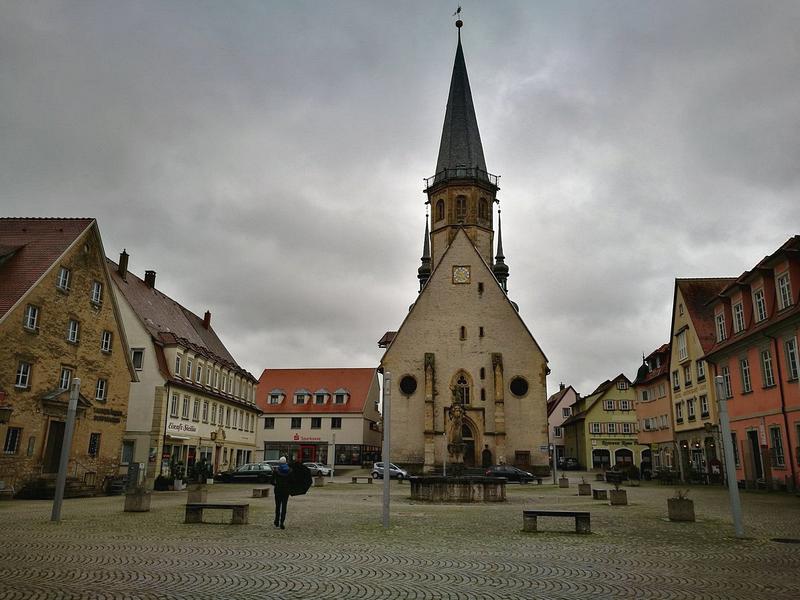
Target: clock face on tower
[{"x": 460, "y": 273}]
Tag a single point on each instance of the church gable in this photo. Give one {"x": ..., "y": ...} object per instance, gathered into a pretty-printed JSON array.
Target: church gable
[{"x": 462, "y": 292}]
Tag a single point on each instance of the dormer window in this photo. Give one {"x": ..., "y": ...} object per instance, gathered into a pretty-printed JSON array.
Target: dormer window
[
  {"x": 761, "y": 305},
  {"x": 719, "y": 319},
  {"x": 738, "y": 317},
  {"x": 622, "y": 384},
  {"x": 321, "y": 397},
  {"x": 300, "y": 396},
  {"x": 178, "y": 365},
  {"x": 340, "y": 396},
  {"x": 784, "y": 291}
]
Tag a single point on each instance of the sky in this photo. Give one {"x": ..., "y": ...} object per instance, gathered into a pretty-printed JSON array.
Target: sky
[{"x": 266, "y": 158}]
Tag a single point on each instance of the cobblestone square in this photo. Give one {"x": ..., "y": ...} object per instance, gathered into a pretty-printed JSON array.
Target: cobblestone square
[{"x": 334, "y": 547}]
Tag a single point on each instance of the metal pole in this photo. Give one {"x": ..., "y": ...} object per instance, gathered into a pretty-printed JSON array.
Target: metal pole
[
  {"x": 333, "y": 455},
  {"x": 387, "y": 401},
  {"x": 553, "y": 446},
  {"x": 727, "y": 446},
  {"x": 66, "y": 445}
]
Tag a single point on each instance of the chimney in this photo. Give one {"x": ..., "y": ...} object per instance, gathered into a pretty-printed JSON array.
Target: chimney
[
  {"x": 123, "y": 265},
  {"x": 150, "y": 279},
  {"x": 561, "y": 386},
  {"x": 207, "y": 319}
]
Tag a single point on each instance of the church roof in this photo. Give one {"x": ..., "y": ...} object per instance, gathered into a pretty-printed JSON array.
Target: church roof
[{"x": 461, "y": 141}]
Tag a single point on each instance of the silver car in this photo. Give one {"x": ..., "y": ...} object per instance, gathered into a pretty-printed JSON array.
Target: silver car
[
  {"x": 317, "y": 469},
  {"x": 395, "y": 472}
]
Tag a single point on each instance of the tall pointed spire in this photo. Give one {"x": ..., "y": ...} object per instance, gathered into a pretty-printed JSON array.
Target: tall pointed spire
[
  {"x": 461, "y": 142},
  {"x": 500, "y": 268},
  {"x": 424, "y": 271}
]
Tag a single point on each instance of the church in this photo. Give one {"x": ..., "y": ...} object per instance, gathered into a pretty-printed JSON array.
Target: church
[{"x": 467, "y": 377}]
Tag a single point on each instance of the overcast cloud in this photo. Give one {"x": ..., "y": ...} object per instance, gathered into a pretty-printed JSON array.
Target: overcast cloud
[{"x": 266, "y": 158}]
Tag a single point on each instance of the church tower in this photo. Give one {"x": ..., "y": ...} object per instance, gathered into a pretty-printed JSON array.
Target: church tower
[
  {"x": 461, "y": 192},
  {"x": 468, "y": 378}
]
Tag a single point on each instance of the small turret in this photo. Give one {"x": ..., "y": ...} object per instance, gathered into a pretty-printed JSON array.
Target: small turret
[
  {"x": 500, "y": 268},
  {"x": 424, "y": 271}
]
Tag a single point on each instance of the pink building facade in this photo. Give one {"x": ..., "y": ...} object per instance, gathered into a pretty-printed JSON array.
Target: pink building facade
[{"x": 757, "y": 318}]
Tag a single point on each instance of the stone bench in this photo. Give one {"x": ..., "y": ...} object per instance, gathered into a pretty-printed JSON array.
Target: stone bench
[
  {"x": 260, "y": 492},
  {"x": 194, "y": 511},
  {"x": 582, "y": 519},
  {"x": 361, "y": 479},
  {"x": 599, "y": 494}
]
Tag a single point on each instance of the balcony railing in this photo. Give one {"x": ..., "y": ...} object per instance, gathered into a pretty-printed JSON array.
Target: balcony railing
[{"x": 462, "y": 173}]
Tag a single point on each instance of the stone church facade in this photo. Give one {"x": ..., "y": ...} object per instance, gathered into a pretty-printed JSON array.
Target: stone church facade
[{"x": 467, "y": 375}]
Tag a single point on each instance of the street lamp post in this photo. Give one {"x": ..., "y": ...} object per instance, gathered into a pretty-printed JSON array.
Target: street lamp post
[
  {"x": 727, "y": 446},
  {"x": 387, "y": 403},
  {"x": 66, "y": 445}
]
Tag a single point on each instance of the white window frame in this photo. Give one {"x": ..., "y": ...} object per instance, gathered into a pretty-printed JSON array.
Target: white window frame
[
  {"x": 198, "y": 374},
  {"x": 624, "y": 404},
  {"x": 97, "y": 292},
  {"x": 274, "y": 399},
  {"x": 768, "y": 376},
  {"x": 627, "y": 428},
  {"x": 213, "y": 413},
  {"x": 300, "y": 398},
  {"x": 205, "y": 411},
  {"x": 62, "y": 281},
  {"x": 611, "y": 427},
  {"x": 185, "y": 408},
  {"x": 679, "y": 411},
  {"x": 196, "y": 409},
  {"x": 792, "y": 360},
  {"x": 704, "y": 405},
  {"x": 761, "y": 304},
  {"x": 189, "y": 364},
  {"x": 106, "y": 341},
  {"x": 558, "y": 432},
  {"x": 690, "y": 411},
  {"x": 683, "y": 351},
  {"x": 701, "y": 370},
  {"x": 566, "y": 412},
  {"x": 31, "y": 321},
  {"x": 101, "y": 390},
  {"x": 784, "y": 290},
  {"x": 174, "y": 410},
  {"x": 719, "y": 320},
  {"x": 726, "y": 378},
  {"x": 23, "y": 378},
  {"x": 776, "y": 445},
  {"x": 178, "y": 365},
  {"x": 73, "y": 330},
  {"x": 676, "y": 380},
  {"x": 738, "y": 317},
  {"x": 595, "y": 428},
  {"x": 687, "y": 375},
  {"x": 744, "y": 370},
  {"x": 622, "y": 384},
  {"x": 65, "y": 379},
  {"x": 608, "y": 405}
]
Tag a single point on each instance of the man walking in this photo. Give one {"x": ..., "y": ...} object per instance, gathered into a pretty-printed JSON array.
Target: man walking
[{"x": 280, "y": 479}]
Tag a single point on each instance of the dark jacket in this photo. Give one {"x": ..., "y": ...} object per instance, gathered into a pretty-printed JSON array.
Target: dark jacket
[{"x": 280, "y": 479}]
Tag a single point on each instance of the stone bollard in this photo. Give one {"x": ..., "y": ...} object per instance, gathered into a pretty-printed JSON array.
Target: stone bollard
[
  {"x": 137, "y": 501},
  {"x": 584, "y": 489},
  {"x": 563, "y": 482}
]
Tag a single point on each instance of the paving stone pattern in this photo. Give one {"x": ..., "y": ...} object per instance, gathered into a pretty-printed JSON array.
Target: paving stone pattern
[{"x": 335, "y": 547}]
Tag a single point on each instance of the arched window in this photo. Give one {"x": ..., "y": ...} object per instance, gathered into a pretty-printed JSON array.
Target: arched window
[
  {"x": 461, "y": 208},
  {"x": 462, "y": 389},
  {"x": 440, "y": 210},
  {"x": 483, "y": 373},
  {"x": 483, "y": 209}
]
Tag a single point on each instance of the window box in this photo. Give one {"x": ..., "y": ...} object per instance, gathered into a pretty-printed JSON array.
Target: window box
[
  {"x": 679, "y": 421},
  {"x": 704, "y": 415},
  {"x": 692, "y": 418}
]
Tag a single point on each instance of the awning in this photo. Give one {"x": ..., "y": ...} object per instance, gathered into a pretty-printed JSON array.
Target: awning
[{"x": 178, "y": 437}]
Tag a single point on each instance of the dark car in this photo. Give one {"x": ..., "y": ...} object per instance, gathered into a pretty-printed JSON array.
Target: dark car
[
  {"x": 568, "y": 464},
  {"x": 251, "y": 472},
  {"x": 510, "y": 473}
]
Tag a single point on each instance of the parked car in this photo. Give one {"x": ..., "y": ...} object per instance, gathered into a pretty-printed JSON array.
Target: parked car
[
  {"x": 568, "y": 463},
  {"x": 318, "y": 469},
  {"x": 395, "y": 472},
  {"x": 510, "y": 473},
  {"x": 251, "y": 472}
]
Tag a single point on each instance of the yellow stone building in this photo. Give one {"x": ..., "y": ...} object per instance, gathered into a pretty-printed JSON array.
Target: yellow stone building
[
  {"x": 468, "y": 379},
  {"x": 59, "y": 321},
  {"x": 602, "y": 431}
]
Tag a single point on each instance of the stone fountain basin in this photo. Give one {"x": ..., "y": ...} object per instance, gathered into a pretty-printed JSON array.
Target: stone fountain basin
[{"x": 438, "y": 488}]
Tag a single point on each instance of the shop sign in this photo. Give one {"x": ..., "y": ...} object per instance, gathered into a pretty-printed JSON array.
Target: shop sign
[
  {"x": 303, "y": 438},
  {"x": 187, "y": 427}
]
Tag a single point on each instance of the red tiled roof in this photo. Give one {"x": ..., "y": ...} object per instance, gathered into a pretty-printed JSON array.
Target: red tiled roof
[
  {"x": 28, "y": 248},
  {"x": 697, "y": 296},
  {"x": 168, "y": 321},
  {"x": 356, "y": 381},
  {"x": 788, "y": 249}
]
